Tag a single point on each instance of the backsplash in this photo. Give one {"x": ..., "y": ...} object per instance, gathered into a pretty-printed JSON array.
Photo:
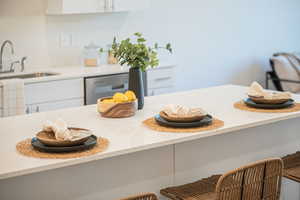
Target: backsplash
[{"x": 221, "y": 51}]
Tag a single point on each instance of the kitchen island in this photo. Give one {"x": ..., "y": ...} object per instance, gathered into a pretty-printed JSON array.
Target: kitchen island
[{"x": 140, "y": 159}]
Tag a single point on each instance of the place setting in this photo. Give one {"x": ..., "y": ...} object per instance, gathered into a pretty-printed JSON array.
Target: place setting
[
  {"x": 57, "y": 140},
  {"x": 260, "y": 100},
  {"x": 182, "y": 119}
]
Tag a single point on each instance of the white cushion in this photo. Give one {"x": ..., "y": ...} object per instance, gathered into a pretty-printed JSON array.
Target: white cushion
[{"x": 285, "y": 70}]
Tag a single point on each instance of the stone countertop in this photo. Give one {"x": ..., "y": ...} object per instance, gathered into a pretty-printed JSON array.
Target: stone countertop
[{"x": 72, "y": 72}]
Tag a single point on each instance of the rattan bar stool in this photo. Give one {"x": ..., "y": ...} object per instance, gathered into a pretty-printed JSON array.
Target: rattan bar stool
[
  {"x": 258, "y": 181},
  {"x": 147, "y": 196},
  {"x": 292, "y": 166}
]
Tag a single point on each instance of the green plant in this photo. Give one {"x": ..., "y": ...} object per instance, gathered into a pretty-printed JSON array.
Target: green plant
[
  {"x": 137, "y": 54},
  {"x": 102, "y": 50}
]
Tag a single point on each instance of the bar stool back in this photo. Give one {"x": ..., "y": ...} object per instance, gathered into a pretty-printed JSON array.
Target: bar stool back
[
  {"x": 257, "y": 181},
  {"x": 147, "y": 196},
  {"x": 292, "y": 166}
]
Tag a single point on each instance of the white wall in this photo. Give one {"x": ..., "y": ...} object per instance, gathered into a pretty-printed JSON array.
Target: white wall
[
  {"x": 24, "y": 23},
  {"x": 215, "y": 42}
]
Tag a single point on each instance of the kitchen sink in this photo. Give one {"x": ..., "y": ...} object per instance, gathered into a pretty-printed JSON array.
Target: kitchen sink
[{"x": 31, "y": 75}]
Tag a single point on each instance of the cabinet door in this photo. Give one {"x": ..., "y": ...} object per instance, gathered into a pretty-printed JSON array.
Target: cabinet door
[
  {"x": 58, "y": 7},
  {"x": 86, "y": 6},
  {"x": 160, "y": 80},
  {"x": 160, "y": 77},
  {"x": 37, "y": 93},
  {"x": 61, "y": 7},
  {"x": 55, "y": 105}
]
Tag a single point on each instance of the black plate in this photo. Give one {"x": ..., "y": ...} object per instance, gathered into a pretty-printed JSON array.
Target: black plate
[
  {"x": 251, "y": 103},
  {"x": 92, "y": 141},
  {"x": 207, "y": 120}
]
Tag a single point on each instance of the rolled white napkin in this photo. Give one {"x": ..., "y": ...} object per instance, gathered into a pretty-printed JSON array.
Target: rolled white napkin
[
  {"x": 256, "y": 90},
  {"x": 61, "y": 131},
  {"x": 173, "y": 110}
]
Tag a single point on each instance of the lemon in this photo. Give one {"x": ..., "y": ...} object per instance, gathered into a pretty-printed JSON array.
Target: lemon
[
  {"x": 130, "y": 95},
  {"x": 120, "y": 98}
]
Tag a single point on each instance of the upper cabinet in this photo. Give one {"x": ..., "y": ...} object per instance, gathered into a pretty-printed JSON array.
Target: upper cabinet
[{"x": 61, "y": 7}]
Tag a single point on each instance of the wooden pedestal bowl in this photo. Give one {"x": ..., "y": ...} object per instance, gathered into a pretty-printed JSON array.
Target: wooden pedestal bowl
[{"x": 116, "y": 110}]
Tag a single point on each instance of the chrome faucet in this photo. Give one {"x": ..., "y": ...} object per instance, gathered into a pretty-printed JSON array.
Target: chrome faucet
[
  {"x": 6, "y": 42},
  {"x": 12, "y": 66},
  {"x": 23, "y": 63}
]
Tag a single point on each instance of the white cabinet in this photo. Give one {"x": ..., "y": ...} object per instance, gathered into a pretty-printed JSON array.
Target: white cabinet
[
  {"x": 55, "y": 105},
  {"x": 161, "y": 80},
  {"x": 57, "y": 90},
  {"x": 61, "y": 7},
  {"x": 53, "y": 95},
  {"x": 75, "y": 6}
]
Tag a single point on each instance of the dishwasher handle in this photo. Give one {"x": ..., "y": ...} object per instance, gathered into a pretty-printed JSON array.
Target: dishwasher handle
[{"x": 118, "y": 87}]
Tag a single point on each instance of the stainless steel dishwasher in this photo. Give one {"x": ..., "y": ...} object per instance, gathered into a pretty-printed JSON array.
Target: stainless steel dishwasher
[{"x": 103, "y": 86}]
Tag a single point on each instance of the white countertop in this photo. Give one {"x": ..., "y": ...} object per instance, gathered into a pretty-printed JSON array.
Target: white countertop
[
  {"x": 128, "y": 135},
  {"x": 71, "y": 72}
]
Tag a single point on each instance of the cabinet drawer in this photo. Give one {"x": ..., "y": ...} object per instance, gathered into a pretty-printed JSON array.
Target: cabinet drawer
[
  {"x": 53, "y": 91},
  {"x": 55, "y": 105},
  {"x": 153, "y": 74},
  {"x": 161, "y": 83},
  {"x": 160, "y": 78}
]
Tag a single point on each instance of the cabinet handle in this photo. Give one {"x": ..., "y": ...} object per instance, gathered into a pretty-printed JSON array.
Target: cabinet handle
[
  {"x": 163, "y": 79},
  {"x": 105, "y": 5},
  {"x": 112, "y": 5},
  {"x": 117, "y": 87},
  {"x": 108, "y": 5},
  {"x": 37, "y": 109},
  {"x": 27, "y": 110}
]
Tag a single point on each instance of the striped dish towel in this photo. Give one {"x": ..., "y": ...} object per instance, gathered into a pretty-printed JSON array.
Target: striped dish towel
[{"x": 12, "y": 97}]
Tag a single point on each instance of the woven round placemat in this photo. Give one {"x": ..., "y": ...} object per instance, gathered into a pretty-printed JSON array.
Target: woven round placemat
[
  {"x": 242, "y": 106},
  {"x": 152, "y": 124},
  {"x": 25, "y": 148}
]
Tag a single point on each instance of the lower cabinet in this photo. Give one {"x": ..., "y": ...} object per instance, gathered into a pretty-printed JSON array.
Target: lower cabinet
[
  {"x": 161, "y": 80},
  {"x": 52, "y": 91},
  {"x": 53, "y": 95},
  {"x": 55, "y": 105}
]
